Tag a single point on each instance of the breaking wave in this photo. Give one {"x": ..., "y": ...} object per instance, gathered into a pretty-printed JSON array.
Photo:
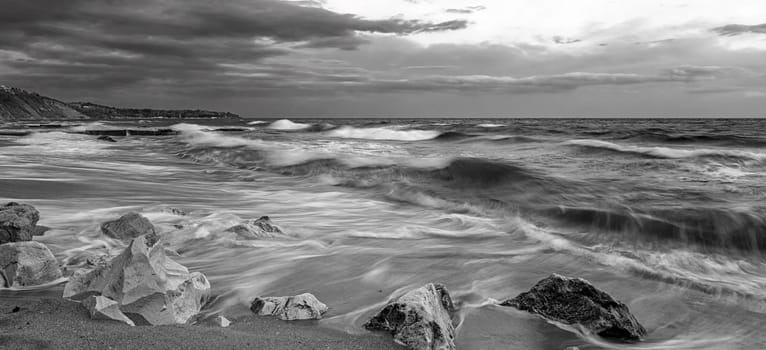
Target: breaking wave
[
  {"x": 383, "y": 134},
  {"x": 666, "y": 152}
]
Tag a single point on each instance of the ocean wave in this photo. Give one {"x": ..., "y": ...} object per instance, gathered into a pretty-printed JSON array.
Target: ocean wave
[
  {"x": 257, "y": 122},
  {"x": 286, "y": 124},
  {"x": 666, "y": 152},
  {"x": 705, "y": 228},
  {"x": 383, "y": 134},
  {"x": 490, "y": 125}
]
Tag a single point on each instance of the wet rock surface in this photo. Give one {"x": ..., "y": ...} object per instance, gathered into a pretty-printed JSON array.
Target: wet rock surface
[
  {"x": 262, "y": 228},
  {"x": 420, "y": 319},
  {"x": 300, "y": 307},
  {"x": 127, "y": 227},
  {"x": 575, "y": 301},
  {"x": 103, "y": 308},
  {"x": 18, "y": 222}
]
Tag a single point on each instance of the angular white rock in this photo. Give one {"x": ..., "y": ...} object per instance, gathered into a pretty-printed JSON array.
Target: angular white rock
[
  {"x": 27, "y": 264},
  {"x": 103, "y": 308},
  {"x": 300, "y": 307},
  {"x": 146, "y": 283},
  {"x": 222, "y": 321}
]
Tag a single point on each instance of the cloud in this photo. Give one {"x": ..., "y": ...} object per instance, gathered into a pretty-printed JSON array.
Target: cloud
[
  {"x": 466, "y": 10},
  {"x": 737, "y": 29}
]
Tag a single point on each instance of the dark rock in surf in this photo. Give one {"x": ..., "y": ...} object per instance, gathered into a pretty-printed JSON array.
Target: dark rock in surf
[
  {"x": 25, "y": 264},
  {"x": 420, "y": 319},
  {"x": 257, "y": 229},
  {"x": 106, "y": 138},
  {"x": 18, "y": 222},
  {"x": 300, "y": 307},
  {"x": 575, "y": 301},
  {"x": 127, "y": 227}
]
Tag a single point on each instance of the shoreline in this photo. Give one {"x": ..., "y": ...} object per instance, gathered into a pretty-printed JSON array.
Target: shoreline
[{"x": 56, "y": 323}]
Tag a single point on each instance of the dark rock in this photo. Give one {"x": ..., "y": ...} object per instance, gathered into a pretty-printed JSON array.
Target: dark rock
[
  {"x": 575, "y": 301},
  {"x": 106, "y": 138},
  {"x": 127, "y": 227},
  {"x": 27, "y": 264},
  {"x": 257, "y": 229},
  {"x": 420, "y": 319},
  {"x": 17, "y": 222},
  {"x": 40, "y": 230}
]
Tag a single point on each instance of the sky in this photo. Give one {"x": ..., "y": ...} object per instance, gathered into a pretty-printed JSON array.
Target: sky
[{"x": 405, "y": 58}]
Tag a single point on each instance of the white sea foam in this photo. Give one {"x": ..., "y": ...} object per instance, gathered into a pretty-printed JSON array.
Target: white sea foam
[
  {"x": 257, "y": 122},
  {"x": 490, "y": 125},
  {"x": 666, "y": 152},
  {"x": 383, "y": 134},
  {"x": 286, "y": 124}
]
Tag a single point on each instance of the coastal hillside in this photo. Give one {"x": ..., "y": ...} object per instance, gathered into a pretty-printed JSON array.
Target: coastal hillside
[
  {"x": 21, "y": 105},
  {"x": 18, "y": 104},
  {"x": 97, "y": 111}
]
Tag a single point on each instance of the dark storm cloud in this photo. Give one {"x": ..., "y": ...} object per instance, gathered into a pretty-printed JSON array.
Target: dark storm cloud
[
  {"x": 737, "y": 29},
  {"x": 102, "y": 44}
]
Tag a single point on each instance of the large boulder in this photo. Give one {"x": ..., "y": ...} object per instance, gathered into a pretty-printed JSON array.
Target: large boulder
[
  {"x": 420, "y": 319},
  {"x": 127, "y": 227},
  {"x": 27, "y": 264},
  {"x": 575, "y": 301},
  {"x": 149, "y": 287},
  {"x": 256, "y": 229},
  {"x": 300, "y": 307},
  {"x": 102, "y": 308},
  {"x": 18, "y": 222}
]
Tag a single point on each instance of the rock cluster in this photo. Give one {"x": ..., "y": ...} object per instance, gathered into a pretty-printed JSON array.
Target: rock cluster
[
  {"x": 575, "y": 301},
  {"x": 257, "y": 229},
  {"x": 24, "y": 263},
  {"x": 420, "y": 319},
  {"x": 299, "y": 307},
  {"x": 147, "y": 286}
]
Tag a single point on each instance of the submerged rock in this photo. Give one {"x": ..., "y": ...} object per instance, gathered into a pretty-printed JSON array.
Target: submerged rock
[
  {"x": 300, "y": 307},
  {"x": 149, "y": 287},
  {"x": 103, "y": 308},
  {"x": 575, "y": 301},
  {"x": 127, "y": 227},
  {"x": 106, "y": 138},
  {"x": 257, "y": 229},
  {"x": 18, "y": 222},
  {"x": 27, "y": 264},
  {"x": 420, "y": 319}
]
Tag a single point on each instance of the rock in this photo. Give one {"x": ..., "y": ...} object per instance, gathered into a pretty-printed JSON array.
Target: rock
[
  {"x": 27, "y": 264},
  {"x": 299, "y": 307},
  {"x": 575, "y": 301},
  {"x": 175, "y": 211},
  {"x": 106, "y": 138},
  {"x": 17, "y": 222},
  {"x": 40, "y": 230},
  {"x": 221, "y": 321},
  {"x": 103, "y": 308},
  {"x": 127, "y": 227},
  {"x": 257, "y": 229},
  {"x": 149, "y": 287},
  {"x": 420, "y": 319}
]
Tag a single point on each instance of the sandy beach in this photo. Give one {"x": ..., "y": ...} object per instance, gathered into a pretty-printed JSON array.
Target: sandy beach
[{"x": 55, "y": 323}]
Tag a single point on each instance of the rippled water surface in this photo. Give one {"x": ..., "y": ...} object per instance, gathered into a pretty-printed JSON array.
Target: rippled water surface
[{"x": 667, "y": 216}]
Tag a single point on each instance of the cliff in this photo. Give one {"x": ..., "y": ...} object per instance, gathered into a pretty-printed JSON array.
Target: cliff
[{"x": 19, "y": 104}]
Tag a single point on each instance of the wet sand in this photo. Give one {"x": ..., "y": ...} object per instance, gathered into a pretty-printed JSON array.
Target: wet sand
[{"x": 30, "y": 322}]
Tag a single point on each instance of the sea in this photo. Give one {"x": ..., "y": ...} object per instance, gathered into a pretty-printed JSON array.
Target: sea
[{"x": 666, "y": 215}]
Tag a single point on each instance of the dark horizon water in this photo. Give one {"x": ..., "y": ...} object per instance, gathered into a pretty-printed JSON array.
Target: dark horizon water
[{"x": 666, "y": 215}]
